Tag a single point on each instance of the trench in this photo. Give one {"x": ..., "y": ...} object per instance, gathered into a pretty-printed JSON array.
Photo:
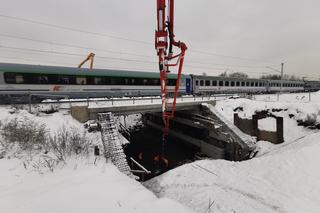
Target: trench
[
  {"x": 146, "y": 144},
  {"x": 194, "y": 135}
]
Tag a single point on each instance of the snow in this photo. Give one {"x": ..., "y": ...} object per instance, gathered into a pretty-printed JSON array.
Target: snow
[
  {"x": 80, "y": 186},
  {"x": 77, "y": 185},
  {"x": 268, "y": 124},
  {"x": 282, "y": 178}
]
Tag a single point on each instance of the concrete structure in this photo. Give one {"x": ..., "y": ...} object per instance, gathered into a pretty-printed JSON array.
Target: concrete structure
[
  {"x": 205, "y": 130},
  {"x": 85, "y": 113},
  {"x": 250, "y": 127}
]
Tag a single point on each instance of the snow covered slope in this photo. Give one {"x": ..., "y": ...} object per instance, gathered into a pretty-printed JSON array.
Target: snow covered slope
[
  {"x": 78, "y": 187},
  {"x": 287, "y": 180},
  {"x": 282, "y": 178}
]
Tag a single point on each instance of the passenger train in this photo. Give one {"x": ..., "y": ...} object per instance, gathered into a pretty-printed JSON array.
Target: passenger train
[{"x": 51, "y": 81}]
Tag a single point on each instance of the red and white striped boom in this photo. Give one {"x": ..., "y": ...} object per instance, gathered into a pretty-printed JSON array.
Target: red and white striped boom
[{"x": 164, "y": 44}]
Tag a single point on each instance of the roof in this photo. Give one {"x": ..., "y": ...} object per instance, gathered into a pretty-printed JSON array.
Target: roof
[
  {"x": 40, "y": 69},
  {"x": 202, "y": 77}
]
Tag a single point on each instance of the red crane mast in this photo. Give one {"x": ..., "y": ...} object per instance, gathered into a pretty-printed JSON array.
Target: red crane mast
[{"x": 164, "y": 44}]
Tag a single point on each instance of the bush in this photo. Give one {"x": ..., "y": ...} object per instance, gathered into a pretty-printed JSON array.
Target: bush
[
  {"x": 28, "y": 134},
  {"x": 31, "y": 136},
  {"x": 67, "y": 142}
]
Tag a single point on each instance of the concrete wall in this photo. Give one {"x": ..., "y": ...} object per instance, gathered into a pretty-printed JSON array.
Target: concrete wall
[
  {"x": 245, "y": 125},
  {"x": 250, "y": 127},
  {"x": 80, "y": 113}
]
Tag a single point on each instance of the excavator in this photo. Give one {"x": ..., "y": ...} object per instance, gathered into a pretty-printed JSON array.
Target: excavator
[
  {"x": 164, "y": 44},
  {"x": 90, "y": 58}
]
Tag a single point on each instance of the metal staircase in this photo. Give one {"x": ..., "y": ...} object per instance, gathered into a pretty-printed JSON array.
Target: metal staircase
[{"x": 111, "y": 142}]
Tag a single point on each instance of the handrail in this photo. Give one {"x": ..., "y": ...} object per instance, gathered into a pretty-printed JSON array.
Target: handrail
[{"x": 140, "y": 166}]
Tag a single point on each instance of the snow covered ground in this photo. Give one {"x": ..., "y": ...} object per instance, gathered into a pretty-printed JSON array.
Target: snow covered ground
[
  {"x": 282, "y": 178},
  {"x": 80, "y": 186},
  {"x": 76, "y": 185}
]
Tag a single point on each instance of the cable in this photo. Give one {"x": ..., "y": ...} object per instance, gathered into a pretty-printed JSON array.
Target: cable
[
  {"x": 70, "y": 45},
  {"x": 227, "y": 65},
  {"x": 101, "y": 57},
  {"x": 117, "y": 37},
  {"x": 73, "y": 54},
  {"x": 228, "y": 56},
  {"x": 109, "y": 51},
  {"x": 73, "y": 29}
]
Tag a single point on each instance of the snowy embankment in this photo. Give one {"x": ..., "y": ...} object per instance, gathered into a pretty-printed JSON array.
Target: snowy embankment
[
  {"x": 282, "y": 178},
  {"x": 36, "y": 181}
]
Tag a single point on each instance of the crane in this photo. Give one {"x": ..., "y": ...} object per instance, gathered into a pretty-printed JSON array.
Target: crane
[
  {"x": 90, "y": 58},
  {"x": 164, "y": 44}
]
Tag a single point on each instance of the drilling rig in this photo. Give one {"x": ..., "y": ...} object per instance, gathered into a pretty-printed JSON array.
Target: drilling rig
[{"x": 164, "y": 44}]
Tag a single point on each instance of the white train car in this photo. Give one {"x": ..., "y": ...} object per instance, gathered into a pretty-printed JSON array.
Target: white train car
[
  {"x": 209, "y": 84},
  {"x": 19, "y": 79}
]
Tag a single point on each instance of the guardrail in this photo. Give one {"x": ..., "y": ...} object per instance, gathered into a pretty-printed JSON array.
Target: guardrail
[
  {"x": 139, "y": 100},
  {"x": 68, "y": 102}
]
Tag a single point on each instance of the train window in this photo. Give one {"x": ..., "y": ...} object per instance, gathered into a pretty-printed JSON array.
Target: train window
[
  {"x": 98, "y": 80},
  {"x": 197, "y": 83},
  {"x": 172, "y": 82},
  {"x": 220, "y": 83},
  {"x": 260, "y": 84},
  {"x": 214, "y": 83},
  {"x": 207, "y": 83},
  {"x": 10, "y": 78},
  {"x": 29, "y": 79},
  {"x": 256, "y": 84},
  {"x": 43, "y": 79},
  {"x": 132, "y": 81},
  {"x": 81, "y": 80},
  {"x": 232, "y": 83},
  {"x": 243, "y": 84},
  {"x": 247, "y": 84},
  {"x": 90, "y": 80},
  {"x": 238, "y": 83},
  {"x": 19, "y": 79},
  {"x": 156, "y": 82},
  {"x": 252, "y": 84},
  {"x": 65, "y": 80},
  {"x": 226, "y": 83},
  {"x": 201, "y": 83}
]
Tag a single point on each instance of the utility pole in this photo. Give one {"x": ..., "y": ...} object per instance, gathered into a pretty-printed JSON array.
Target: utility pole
[
  {"x": 281, "y": 78},
  {"x": 282, "y": 65}
]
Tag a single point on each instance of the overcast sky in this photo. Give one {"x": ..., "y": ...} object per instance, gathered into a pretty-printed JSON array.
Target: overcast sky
[{"x": 255, "y": 33}]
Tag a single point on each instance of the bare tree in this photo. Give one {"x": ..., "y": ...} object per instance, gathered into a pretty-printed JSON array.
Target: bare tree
[{"x": 238, "y": 75}]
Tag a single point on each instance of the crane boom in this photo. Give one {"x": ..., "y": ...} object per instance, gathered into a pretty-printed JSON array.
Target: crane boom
[
  {"x": 164, "y": 44},
  {"x": 90, "y": 58}
]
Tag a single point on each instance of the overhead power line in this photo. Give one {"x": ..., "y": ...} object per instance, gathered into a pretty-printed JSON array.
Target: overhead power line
[
  {"x": 72, "y": 54},
  {"x": 100, "y": 57},
  {"x": 73, "y": 29},
  {"x": 111, "y": 51},
  {"x": 118, "y": 37},
  {"x": 70, "y": 45},
  {"x": 229, "y": 56}
]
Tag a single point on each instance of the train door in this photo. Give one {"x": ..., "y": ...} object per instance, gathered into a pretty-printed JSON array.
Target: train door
[
  {"x": 195, "y": 86},
  {"x": 188, "y": 86}
]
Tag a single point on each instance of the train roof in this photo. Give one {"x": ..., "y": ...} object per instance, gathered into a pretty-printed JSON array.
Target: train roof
[
  {"x": 202, "y": 77},
  {"x": 40, "y": 69}
]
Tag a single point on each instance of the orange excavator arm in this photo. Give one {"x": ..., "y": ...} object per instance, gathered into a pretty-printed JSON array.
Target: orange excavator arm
[{"x": 90, "y": 58}]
